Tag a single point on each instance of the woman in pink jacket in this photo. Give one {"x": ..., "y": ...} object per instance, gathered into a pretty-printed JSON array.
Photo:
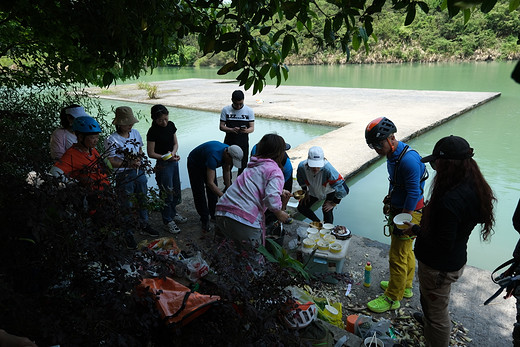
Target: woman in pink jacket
[{"x": 240, "y": 211}]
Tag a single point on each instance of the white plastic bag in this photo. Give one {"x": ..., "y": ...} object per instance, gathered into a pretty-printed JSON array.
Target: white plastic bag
[{"x": 196, "y": 267}]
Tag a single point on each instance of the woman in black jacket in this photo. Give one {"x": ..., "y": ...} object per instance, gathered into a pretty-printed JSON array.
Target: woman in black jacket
[{"x": 460, "y": 199}]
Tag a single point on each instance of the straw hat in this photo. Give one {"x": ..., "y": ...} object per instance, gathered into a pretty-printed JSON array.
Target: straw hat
[{"x": 124, "y": 116}]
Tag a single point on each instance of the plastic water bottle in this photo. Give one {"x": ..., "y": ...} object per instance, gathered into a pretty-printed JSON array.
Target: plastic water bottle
[{"x": 368, "y": 269}]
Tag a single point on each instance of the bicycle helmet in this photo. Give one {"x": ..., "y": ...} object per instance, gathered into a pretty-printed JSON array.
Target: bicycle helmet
[
  {"x": 86, "y": 125},
  {"x": 301, "y": 316},
  {"x": 379, "y": 129}
]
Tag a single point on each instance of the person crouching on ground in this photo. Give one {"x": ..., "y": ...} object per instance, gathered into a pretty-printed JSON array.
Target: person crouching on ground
[
  {"x": 460, "y": 198},
  {"x": 320, "y": 180},
  {"x": 405, "y": 195},
  {"x": 241, "y": 210}
]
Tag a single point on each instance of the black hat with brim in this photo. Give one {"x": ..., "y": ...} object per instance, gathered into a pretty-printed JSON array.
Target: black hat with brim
[{"x": 450, "y": 147}]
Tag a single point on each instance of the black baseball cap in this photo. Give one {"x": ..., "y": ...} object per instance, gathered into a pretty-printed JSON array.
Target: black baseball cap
[{"x": 450, "y": 147}]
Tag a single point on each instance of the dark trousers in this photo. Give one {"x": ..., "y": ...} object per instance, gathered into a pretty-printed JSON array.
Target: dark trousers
[
  {"x": 205, "y": 207},
  {"x": 245, "y": 150},
  {"x": 304, "y": 207}
]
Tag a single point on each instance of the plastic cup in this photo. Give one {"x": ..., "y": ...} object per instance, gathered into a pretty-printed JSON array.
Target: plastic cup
[
  {"x": 351, "y": 321},
  {"x": 401, "y": 218}
]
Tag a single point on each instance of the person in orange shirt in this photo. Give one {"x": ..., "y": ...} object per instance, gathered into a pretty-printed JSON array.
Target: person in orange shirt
[{"x": 81, "y": 162}]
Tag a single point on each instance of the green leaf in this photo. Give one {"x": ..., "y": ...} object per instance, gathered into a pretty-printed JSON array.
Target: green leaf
[
  {"x": 226, "y": 68},
  {"x": 265, "y": 30},
  {"x": 264, "y": 70},
  {"x": 276, "y": 248},
  {"x": 276, "y": 36},
  {"x": 488, "y": 5},
  {"x": 108, "y": 78},
  {"x": 401, "y": 4},
  {"x": 355, "y": 41},
  {"x": 467, "y": 15},
  {"x": 272, "y": 72},
  {"x": 410, "y": 14},
  {"x": 278, "y": 78},
  {"x": 299, "y": 26},
  {"x": 295, "y": 44},
  {"x": 513, "y": 5},
  {"x": 286, "y": 45},
  {"x": 285, "y": 71},
  {"x": 337, "y": 22},
  {"x": 424, "y": 6},
  {"x": 249, "y": 82},
  {"x": 266, "y": 254},
  {"x": 243, "y": 76},
  {"x": 328, "y": 35}
]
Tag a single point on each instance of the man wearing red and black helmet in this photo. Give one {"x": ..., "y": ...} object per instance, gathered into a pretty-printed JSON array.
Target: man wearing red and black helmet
[{"x": 405, "y": 195}]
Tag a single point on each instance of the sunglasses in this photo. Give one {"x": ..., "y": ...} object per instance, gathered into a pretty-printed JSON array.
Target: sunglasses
[{"x": 378, "y": 145}]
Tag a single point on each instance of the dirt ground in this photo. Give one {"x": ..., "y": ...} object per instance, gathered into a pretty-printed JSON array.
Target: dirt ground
[{"x": 474, "y": 324}]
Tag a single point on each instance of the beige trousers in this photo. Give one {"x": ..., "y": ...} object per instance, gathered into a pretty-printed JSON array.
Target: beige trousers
[{"x": 435, "y": 287}]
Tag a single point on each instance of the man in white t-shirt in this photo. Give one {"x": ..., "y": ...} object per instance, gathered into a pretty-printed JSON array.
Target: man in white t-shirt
[{"x": 238, "y": 121}]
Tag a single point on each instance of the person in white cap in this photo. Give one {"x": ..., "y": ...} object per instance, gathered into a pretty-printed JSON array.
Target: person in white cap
[
  {"x": 321, "y": 181},
  {"x": 203, "y": 162},
  {"x": 64, "y": 137},
  {"x": 124, "y": 149}
]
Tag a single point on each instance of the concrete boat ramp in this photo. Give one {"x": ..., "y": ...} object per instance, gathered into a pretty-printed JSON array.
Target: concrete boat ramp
[{"x": 350, "y": 109}]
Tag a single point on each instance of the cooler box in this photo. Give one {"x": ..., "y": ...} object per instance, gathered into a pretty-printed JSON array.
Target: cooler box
[{"x": 325, "y": 262}]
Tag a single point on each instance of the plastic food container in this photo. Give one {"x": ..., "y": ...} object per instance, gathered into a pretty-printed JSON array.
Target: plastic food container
[
  {"x": 309, "y": 243},
  {"x": 324, "y": 232},
  {"x": 314, "y": 237},
  {"x": 167, "y": 156},
  {"x": 335, "y": 247},
  {"x": 329, "y": 238},
  {"x": 312, "y": 231},
  {"x": 328, "y": 226},
  {"x": 322, "y": 245}
]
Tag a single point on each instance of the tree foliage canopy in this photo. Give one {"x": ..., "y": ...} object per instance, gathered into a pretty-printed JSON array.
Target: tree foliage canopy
[{"x": 96, "y": 42}]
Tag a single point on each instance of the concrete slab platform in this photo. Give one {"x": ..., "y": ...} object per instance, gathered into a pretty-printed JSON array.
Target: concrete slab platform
[{"x": 350, "y": 109}]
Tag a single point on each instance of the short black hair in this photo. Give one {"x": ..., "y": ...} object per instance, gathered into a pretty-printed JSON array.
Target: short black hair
[
  {"x": 237, "y": 95},
  {"x": 158, "y": 110}
]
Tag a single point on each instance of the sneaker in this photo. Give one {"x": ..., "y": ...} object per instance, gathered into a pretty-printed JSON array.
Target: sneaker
[
  {"x": 180, "y": 219},
  {"x": 418, "y": 316},
  {"x": 206, "y": 228},
  {"x": 382, "y": 304},
  {"x": 408, "y": 293},
  {"x": 172, "y": 228},
  {"x": 148, "y": 230}
]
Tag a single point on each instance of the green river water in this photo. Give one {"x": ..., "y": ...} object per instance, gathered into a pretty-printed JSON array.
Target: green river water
[{"x": 492, "y": 130}]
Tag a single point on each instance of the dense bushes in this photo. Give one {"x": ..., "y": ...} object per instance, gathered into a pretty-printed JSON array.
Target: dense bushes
[{"x": 66, "y": 277}]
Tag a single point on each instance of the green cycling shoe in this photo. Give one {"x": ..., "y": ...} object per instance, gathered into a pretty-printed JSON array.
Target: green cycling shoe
[
  {"x": 382, "y": 304},
  {"x": 408, "y": 293}
]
